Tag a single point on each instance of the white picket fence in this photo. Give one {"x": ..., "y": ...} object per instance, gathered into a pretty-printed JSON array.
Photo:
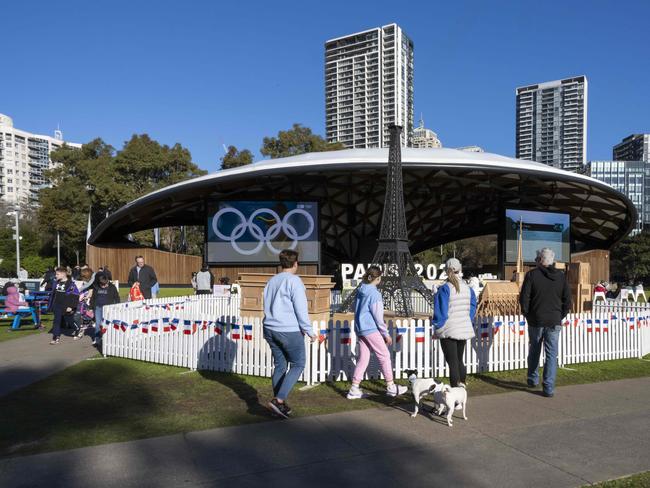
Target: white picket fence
[{"x": 210, "y": 335}]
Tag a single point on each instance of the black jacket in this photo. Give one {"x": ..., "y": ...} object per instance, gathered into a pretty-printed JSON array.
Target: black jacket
[
  {"x": 147, "y": 278},
  {"x": 113, "y": 295},
  {"x": 65, "y": 295},
  {"x": 545, "y": 297}
]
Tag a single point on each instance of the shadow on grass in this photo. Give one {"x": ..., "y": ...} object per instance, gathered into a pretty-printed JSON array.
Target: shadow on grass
[
  {"x": 247, "y": 393},
  {"x": 89, "y": 400}
]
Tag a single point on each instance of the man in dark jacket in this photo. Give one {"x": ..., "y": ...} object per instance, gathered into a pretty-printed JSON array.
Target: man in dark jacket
[
  {"x": 545, "y": 300},
  {"x": 143, "y": 274}
]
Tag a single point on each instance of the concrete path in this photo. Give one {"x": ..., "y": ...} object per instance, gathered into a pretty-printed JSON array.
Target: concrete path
[
  {"x": 587, "y": 433},
  {"x": 29, "y": 359}
]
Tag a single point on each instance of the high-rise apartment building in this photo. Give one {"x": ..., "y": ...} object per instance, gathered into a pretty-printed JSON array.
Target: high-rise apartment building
[
  {"x": 633, "y": 148},
  {"x": 424, "y": 138},
  {"x": 630, "y": 178},
  {"x": 368, "y": 87},
  {"x": 552, "y": 123},
  {"x": 24, "y": 157}
]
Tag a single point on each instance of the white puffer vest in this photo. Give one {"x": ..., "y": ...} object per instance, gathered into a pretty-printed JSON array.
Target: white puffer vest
[{"x": 459, "y": 324}]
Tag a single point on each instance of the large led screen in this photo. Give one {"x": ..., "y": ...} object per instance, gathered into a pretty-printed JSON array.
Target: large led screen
[
  {"x": 256, "y": 231},
  {"x": 539, "y": 229}
]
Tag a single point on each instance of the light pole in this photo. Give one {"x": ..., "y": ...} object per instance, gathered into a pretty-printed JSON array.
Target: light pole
[
  {"x": 58, "y": 249},
  {"x": 16, "y": 213}
]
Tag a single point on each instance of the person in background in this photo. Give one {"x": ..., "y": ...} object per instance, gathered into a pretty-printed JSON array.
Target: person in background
[
  {"x": 545, "y": 300},
  {"x": 285, "y": 324},
  {"x": 144, "y": 275},
  {"x": 63, "y": 302},
  {"x": 193, "y": 281},
  {"x": 104, "y": 293},
  {"x": 76, "y": 272},
  {"x": 14, "y": 302},
  {"x": 204, "y": 281},
  {"x": 48, "y": 279},
  {"x": 23, "y": 274},
  {"x": 453, "y": 312},
  {"x": 107, "y": 273},
  {"x": 373, "y": 335}
]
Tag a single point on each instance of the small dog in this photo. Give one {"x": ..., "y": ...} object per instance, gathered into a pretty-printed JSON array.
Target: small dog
[
  {"x": 421, "y": 387},
  {"x": 454, "y": 398}
]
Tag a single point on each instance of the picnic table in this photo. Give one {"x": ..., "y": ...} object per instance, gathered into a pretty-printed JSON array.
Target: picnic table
[{"x": 33, "y": 310}]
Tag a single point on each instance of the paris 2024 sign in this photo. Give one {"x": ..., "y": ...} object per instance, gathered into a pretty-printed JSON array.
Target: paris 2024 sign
[{"x": 255, "y": 232}]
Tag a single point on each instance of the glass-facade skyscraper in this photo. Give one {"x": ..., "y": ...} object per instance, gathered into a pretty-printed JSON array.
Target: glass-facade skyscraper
[
  {"x": 631, "y": 178},
  {"x": 633, "y": 148}
]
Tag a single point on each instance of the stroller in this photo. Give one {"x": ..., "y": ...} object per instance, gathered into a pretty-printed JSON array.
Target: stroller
[{"x": 85, "y": 317}]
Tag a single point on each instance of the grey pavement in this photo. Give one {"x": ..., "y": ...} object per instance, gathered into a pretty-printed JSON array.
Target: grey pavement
[
  {"x": 29, "y": 359},
  {"x": 586, "y": 434}
]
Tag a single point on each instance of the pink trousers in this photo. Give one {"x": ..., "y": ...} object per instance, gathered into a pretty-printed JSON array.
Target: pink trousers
[{"x": 372, "y": 342}]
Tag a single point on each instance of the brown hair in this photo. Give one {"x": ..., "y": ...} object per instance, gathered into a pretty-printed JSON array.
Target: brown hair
[
  {"x": 86, "y": 274},
  {"x": 62, "y": 269},
  {"x": 288, "y": 258},
  {"x": 372, "y": 274}
]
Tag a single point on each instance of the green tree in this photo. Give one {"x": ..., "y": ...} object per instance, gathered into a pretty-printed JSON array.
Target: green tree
[
  {"x": 97, "y": 179},
  {"x": 235, "y": 158},
  {"x": 630, "y": 259},
  {"x": 297, "y": 140}
]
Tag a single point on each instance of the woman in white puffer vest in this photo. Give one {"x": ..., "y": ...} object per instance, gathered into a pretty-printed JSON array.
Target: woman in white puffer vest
[{"x": 453, "y": 313}]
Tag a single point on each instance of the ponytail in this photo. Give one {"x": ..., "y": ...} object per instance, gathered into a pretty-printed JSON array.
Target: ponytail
[
  {"x": 452, "y": 277},
  {"x": 372, "y": 274}
]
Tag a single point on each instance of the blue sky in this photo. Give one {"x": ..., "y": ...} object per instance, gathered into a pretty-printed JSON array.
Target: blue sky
[{"x": 207, "y": 73}]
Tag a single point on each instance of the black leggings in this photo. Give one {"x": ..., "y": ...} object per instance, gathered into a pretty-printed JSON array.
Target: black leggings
[{"x": 453, "y": 349}]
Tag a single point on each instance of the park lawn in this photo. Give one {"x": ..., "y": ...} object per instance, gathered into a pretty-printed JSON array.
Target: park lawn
[
  {"x": 110, "y": 400},
  {"x": 634, "y": 481},
  {"x": 27, "y": 328}
]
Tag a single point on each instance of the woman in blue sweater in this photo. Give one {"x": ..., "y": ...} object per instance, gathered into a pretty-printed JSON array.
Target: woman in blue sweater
[
  {"x": 453, "y": 313},
  {"x": 373, "y": 335}
]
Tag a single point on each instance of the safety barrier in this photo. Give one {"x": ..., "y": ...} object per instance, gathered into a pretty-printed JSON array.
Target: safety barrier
[{"x": 207, "y": 333}]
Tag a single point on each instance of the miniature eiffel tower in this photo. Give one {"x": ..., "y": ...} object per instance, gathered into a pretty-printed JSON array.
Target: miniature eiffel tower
[{"x": 399, "y": 277}]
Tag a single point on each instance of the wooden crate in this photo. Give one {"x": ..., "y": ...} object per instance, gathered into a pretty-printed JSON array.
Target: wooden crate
[
  {"x": 580, "y": 273},
  {"x": 317, "y": 287},
  {"x": 581, "y": 298}
]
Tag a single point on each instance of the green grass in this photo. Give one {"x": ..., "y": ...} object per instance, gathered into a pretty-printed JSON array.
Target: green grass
[
  {"x": 27, "y": 328},
  {"x": 111, "y": 400},
  {"x": 635, "y": 481},
  {"x": 164, "y": 292}
]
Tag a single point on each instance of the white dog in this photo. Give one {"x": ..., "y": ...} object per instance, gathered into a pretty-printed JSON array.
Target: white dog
[
  {"x": 454, "y": 398},
  {"x": 421, "y": 387}
]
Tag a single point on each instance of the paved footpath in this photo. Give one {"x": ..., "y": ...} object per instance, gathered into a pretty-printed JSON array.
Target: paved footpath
[
  {"x": 586, "y": 434},
  {"x": 29, "y": 359}
]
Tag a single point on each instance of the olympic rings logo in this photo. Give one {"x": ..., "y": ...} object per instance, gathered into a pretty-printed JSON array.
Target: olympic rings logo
[{"x": 248, "y": 224}]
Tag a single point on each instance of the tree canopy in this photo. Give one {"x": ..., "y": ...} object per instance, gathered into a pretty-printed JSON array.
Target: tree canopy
[
  {"x": 297, "y": 140},
  {"x": 630, "y": 259},
  {"x": 98, "y": 179},
  {"x": 235, "y": 158}
]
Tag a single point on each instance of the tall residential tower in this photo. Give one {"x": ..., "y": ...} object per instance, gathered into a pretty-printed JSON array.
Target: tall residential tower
[
  {"x": 368, "y": 87},
  {"x": 24, "y": 157},
  {"x": 552, "y": 123}
]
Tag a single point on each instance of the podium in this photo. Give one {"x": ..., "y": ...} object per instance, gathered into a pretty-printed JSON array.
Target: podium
[{"x": 318, "y": 291}]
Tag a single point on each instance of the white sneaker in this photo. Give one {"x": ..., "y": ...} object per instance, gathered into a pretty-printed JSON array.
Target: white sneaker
[
  {"x": 355, "y": 393},
  {"x": 396, "y": 390}
]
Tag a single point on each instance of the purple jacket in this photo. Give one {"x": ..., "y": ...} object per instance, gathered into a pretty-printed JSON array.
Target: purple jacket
[{"x": 64, "y": 295}]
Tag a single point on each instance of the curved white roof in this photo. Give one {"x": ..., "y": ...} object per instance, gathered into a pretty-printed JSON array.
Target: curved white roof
[{"x": 449, "y": 194}]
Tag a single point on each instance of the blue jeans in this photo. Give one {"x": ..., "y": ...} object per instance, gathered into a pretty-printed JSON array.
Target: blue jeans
[
  {"x": 99, "y": 316},
  {"x": 549, "y": 336},
  {"x": 288, "y": 349}
]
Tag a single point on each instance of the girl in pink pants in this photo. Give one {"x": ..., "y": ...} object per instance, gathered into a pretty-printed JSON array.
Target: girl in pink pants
[{"x": 373, "y": 335}]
